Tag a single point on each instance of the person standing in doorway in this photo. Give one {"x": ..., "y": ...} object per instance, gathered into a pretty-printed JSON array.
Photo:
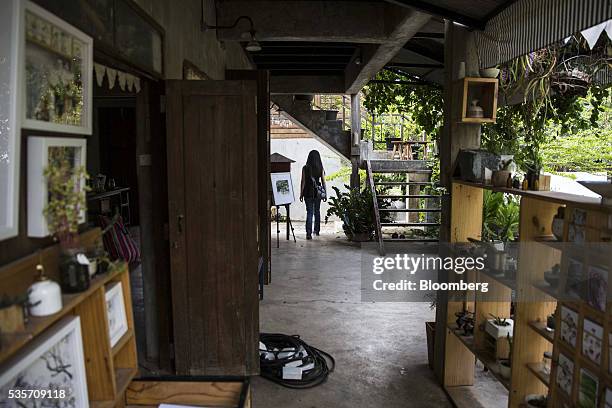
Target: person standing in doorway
[{"x": 313, "y": 190}]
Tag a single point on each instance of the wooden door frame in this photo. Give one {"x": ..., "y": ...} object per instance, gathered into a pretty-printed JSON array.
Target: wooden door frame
[{"x": 262, "y": 77}]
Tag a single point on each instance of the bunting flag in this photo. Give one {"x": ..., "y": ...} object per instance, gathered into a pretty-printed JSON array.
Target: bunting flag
[
  {"x": 111, "y": 74},
  {"x": 99, "y": 70},
  {"x": 127, "y": 82}
]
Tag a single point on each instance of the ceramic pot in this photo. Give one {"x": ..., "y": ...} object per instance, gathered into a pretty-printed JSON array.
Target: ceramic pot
[
  {"x": 74, "y": 275},
  {"x": 557, "y": 227},
  {"x": 489, "y": 72},
  {"x": 44, "y": 296},
  {"x": 500, "y": 178},
  {"x": 331, "y": 115},
  {"x": 361, "y": 237},
  {"x": 499, "y": 331},
  {"x": 504, "y": 369},
  {"x": 475, "y": 111}
]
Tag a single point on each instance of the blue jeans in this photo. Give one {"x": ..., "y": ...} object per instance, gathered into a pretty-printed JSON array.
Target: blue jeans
[{"x": 313, "y": 207}]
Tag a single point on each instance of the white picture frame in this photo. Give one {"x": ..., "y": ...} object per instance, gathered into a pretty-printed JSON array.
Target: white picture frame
[
  {"x": 282, "y": 188},
  {"x": 9, "y": 118},
  {"x": 38, "y": 159},
  {"x": 83, "y": 47},
  {"x": 115, "y": 312},
  {"x": 54, "y": 360},
  {"x": 592, "y": 341},
  {"x": 565, "y": 374}
]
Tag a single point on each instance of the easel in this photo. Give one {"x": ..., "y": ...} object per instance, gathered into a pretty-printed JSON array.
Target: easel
[{"x": 289, "y": 224}]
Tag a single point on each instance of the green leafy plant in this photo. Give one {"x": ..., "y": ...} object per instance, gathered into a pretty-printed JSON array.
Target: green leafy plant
[
  {"x": 66, "y": 195},
  {"x": 356, "y": 210},
  {"x": 499, "y": 321},
  {"x": 500, "y": 216},
  {"x": 422, "y": 102}
]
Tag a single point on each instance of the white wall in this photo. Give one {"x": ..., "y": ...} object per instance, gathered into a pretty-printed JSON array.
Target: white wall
[{"x": 298, "y": 149}]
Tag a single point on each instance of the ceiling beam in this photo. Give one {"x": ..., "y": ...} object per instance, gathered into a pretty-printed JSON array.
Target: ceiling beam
[
  {"x": 434, "y": 52},
  {"x": 435, "y": 36},
  {"x": 304, "y": 20},
  {"x": 307, "y": 84},
  {"x": 375, "y": 57},
  {"x": 412, "y": 65},
  {"x": 441, "y": 12}
]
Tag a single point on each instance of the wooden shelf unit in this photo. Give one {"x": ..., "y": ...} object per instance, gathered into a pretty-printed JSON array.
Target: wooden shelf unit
[
  {"x": 109, "y": 369},
  {"x": 483, "y": 89},
  {"x": 534, "y": 301}
]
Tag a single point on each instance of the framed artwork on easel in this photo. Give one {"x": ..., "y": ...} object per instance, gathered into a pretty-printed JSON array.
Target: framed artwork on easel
[{"x": 282, "y": 188}]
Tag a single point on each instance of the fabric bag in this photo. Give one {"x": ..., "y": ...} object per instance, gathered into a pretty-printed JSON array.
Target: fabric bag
[
  {"x": 319, "y": 190},
  {"x": 118, "y": 242}
]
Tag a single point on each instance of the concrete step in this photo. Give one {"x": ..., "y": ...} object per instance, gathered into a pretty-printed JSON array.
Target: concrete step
[
  {"x": 399, "y": 166},
  {"x": 410, "y": 210},
  {"x": 399, "y": 196},
  {"x": 411, "y": 240},
  {"x": 403, "y": 183},
  {"x": 409, "y": 224}
]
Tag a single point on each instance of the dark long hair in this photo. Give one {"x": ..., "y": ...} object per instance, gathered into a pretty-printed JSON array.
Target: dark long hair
[{"x": 314, "y": 164}]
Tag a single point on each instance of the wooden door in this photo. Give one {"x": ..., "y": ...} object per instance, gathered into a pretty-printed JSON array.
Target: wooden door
[{"x": 212, "y": 190}]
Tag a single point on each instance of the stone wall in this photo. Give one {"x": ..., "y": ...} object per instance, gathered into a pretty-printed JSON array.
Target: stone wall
[{"x": 184, "y": 40}]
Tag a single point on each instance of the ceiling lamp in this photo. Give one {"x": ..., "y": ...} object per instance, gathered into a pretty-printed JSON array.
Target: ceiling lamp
[{"x": 252, "y": 46}]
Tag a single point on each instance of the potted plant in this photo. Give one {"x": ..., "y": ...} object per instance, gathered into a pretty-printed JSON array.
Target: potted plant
[
  {"x": 533, "y": 165},
  {"x": 356, "y": 210},
  {"x": 63, "y": 209},
  {"x": 499, "y": 327},
  {"x": 505, "y": 364},
  {"x": 536, "y": 401}
]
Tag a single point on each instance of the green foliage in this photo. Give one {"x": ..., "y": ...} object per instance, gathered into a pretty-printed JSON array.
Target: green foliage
[
  {"x": 588, "y": 150},
  {"x": 559, "y": 99},
  {"x": 500, "y": 216},
  {"x": 344, "y": 175},
  {"x": 66, "y": 198},
  {"x": 423, "y": 103},
  {"x": 356, "y": 210}
]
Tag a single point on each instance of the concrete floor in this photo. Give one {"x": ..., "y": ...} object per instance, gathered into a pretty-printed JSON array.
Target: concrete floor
[{"x": 380, "y": 348}]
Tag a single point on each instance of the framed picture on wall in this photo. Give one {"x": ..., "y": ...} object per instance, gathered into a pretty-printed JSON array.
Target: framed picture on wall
[
  {"x": 9, "y": 120},
  {"x": 282, "y": 188},
  {"x": 565, "y": 374},
  {"x": 53, "y": 361},
  {"x": 43, "y": 151},
  {"x": 115, "y": 312},
  {"x": 56, "y": 70}
]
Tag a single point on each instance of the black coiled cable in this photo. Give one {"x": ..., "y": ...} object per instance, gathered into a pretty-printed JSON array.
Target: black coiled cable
[{"x": 272, "y": 369}]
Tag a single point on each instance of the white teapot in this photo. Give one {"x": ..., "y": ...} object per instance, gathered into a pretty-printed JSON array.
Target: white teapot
[{"x": 44, "y": 296}]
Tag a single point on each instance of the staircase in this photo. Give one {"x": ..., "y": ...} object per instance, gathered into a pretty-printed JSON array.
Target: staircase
[
  {"x": 412, "y": 169},
  {"x": 318, "y": 123}
]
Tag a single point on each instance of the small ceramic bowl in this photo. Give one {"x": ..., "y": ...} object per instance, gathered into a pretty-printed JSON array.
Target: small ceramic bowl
[{"x": 489, "y": 72}]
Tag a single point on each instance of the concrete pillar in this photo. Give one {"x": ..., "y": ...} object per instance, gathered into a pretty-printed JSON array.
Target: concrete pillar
[
  {"x": 459, "y": 46},
  {"x": 355, "y": 119},
  {"x": 355, "y": 139}
]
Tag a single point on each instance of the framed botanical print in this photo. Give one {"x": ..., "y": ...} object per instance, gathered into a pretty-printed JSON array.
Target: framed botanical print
[
  {"x": 53, "y": 364},
  {"x": 115, "y": 312},
  {"x": 43, "y": 152},
  {"x": 282, "y": 188},
  {"x": 9, "y": 119},
  {"x": 56, "y": 70}
]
